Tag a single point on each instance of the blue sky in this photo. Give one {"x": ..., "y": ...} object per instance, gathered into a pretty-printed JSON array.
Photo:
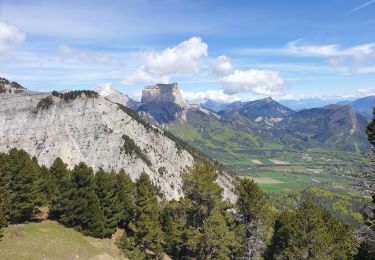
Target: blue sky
[{"x": 223, "y": 50}]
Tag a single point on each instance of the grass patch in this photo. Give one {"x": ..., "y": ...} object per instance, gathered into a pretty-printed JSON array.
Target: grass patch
[{"x": 50, "y": 240}]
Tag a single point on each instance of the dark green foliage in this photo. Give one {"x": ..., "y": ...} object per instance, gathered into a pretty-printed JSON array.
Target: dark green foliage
[
  {"x": 19, "y": 175},
  {"x": 202, "y": 191},
  {"x": 124, "y": 191},
  {"x": 83, "y": 212},
  {"x": 148, "y": 233},
  {"x": 251, "y": 203},
  {"x": 131, "y": 148},
  {"x": 105, "y": 189},
  {"x": 311, "y": 233},
  {"x": 45, "y": 103},
  {"x": 61, "y": 185},
  {"x": 71, "y": 95}
]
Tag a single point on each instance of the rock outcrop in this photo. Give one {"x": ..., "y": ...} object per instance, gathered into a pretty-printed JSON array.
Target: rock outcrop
[
  {"x": 96, "y": 131},
  {"x": 110, "y": 92}
]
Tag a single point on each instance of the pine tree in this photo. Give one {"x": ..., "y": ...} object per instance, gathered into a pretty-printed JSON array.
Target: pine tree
[
  {"x": 311, "y": 233},
  {"x": 124, "y": 202},
  {"x": 174, "y": 221},
  {"x": 104, "y": 188},
  {"x": 252, "y": 206},
  {"x": 216, "y": 239},
  {"x": 21, "y": 173},
  {"x": 148, "y": 233},
  {"x": 202, "y": 191},
  {"x": 83, "y": 211},
  {"x": 61, "y": 185}
]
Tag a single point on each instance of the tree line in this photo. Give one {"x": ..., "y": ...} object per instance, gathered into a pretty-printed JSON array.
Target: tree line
[{"x": 199, "y": 226}]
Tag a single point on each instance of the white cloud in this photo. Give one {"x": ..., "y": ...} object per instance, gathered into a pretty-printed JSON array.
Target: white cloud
[
  {"x": 10, "y": 37},
  {"x": 181, "y": 59},
  {"x": 254, "y": 81},
  {"x": 222, "y": 66},
  {"x": 141, "y": 75},
  {"x": 298, "y": 48},
  {"x": 94, "y": 58},
  {"x": 366, "y": 92},
  {"x": 212, "y": 94},
  {"x": 259, "y": 82}
]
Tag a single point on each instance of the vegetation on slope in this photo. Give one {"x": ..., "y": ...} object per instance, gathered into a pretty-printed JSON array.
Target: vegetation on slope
[{"x": 201, "y": 225}]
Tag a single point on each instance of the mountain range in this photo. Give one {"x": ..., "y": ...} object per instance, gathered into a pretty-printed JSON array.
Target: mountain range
[
  {"x": 254, "y": 127},
  {"x": 82, "y": 126}
]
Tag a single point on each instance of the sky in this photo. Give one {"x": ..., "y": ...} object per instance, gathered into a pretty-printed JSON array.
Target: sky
[{"x": 221, "y": 50}]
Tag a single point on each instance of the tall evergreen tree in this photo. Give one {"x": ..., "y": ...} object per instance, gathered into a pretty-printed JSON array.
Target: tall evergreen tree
[
  {"x": 21, "y": 174},
  {"x": 83, "y": 211},
  {"x": 124, "y": 203},
  {"x": 148, "y": 233},
  {"x": 61, "y": 185},
  {"x": 202, "y": 191},
  {"x": 252, "y": 206},
  {"x": 104, "y": 188}
]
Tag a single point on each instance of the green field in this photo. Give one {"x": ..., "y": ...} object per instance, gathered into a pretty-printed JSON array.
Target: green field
[
  {"x": 279, "y": 182},
  {"x": 50, "y": 240}
]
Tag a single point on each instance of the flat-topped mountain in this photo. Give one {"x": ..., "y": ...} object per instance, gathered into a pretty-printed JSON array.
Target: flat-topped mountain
[{"x": 82, "y": 126}]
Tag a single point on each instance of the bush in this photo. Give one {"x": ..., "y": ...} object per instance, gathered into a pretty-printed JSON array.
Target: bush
[{"x": 45, "y": 103}]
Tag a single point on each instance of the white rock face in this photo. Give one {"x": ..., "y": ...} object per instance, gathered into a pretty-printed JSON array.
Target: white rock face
[
  {"x": 90, "y": 130},
  {"x": 164, "y": 93}
]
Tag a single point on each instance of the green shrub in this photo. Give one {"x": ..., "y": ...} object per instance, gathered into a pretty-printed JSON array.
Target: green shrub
[{"x": 131, "y": 148}]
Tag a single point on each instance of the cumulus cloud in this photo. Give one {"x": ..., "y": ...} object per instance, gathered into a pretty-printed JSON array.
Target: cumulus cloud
[
  {"x": 182, "y": 59},
  {"x": 212, "y": 94},
  {"x": 222, "y": 66},
  {"x": 260, "y": 82},
  {"x": 101, "y": 59},
  {"x": 143, "y": 76},
  {"x": 253, "y": 81},
  {"x": 10, "y": 37}
]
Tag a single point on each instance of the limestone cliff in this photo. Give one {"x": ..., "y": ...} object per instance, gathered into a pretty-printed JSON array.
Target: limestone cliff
[{"x": 96, "y": 131}]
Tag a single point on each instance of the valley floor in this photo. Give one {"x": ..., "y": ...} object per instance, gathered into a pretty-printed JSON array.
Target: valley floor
[{"x": 50, "y": 240}]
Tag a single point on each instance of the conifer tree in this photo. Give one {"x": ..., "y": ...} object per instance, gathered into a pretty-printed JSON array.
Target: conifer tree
[
  {"x": 83, "y": 211},
  {"x": 124, "y": 202},
  {"x": 252, "y": 206},
  {"x": 202, "y": 191},
  {"x": 104, "y": 188},
  {"x": 311, "y": 233},
  {"x": 21, "y": 172},
  {"x": 148, "y": 233},
  {"x": 61, "y": 185}
]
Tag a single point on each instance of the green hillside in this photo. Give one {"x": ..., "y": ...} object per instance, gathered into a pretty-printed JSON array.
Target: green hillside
[{"x": 50, "y": 240}]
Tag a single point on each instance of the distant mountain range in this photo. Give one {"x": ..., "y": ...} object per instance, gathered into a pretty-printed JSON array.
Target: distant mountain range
[
  {"x": 363, "y": 106},
  {"x": 252, "y": 127}
]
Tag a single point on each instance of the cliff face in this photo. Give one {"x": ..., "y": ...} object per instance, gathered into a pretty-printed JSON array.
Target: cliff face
[
  {"x": 95, "y": 131},
  {"x": 164, "y": 93}
]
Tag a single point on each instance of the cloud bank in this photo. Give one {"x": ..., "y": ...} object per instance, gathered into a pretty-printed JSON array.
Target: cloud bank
[{"x": 158, "y": 67}]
